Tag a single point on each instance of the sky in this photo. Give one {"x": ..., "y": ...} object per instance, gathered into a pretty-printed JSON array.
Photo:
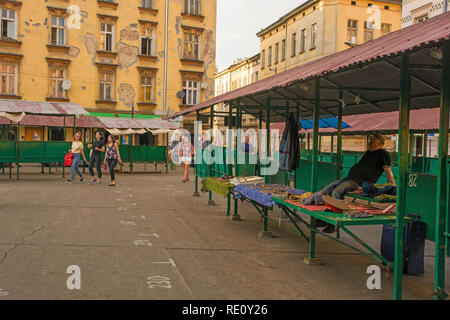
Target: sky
[{"x": 238, "y": 21}]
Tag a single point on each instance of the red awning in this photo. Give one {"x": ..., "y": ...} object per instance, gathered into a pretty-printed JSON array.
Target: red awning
[{"x": 424, "y": 119}]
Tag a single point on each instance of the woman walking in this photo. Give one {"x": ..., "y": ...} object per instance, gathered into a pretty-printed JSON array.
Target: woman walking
[
  {"x": 97, "y": 147},
  {"x": 112, "y": 157},
  {"x": 186, "y": 152},
  {"x": 78, "y": 151}
]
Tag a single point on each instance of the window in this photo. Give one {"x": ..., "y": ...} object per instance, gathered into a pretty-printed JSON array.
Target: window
[
  {"x": 386, "y": 28},
  {"x": 146, "y": 88},
  {"x": 57, "y": 77},
  {"x": 192, "y": 7},
  {"x": 283, "y": 50},
  {"x": 369, "y": 28},
  {"x": 421, "y": 18},
  {"x": 8, "y": 24},
  {"x": 191, "y": 49},
  {"x": 313, "y": 36},
  {"x": 386, "y": 7},
  {"x": 294, "y": 45},
  {"x": 352, "y": 31},
  {"x": 107, "y": 36},
  {"x": 8, "y": 75},
  {"x": 58, "y": 31},
  {"x": 191, "y": 91},
  {"x": 147, "y": 4},
  {"x": 303, "y": 41},
  {"x": 277, "y": 49},
  {"x": 353, "y": 3},
  {"x": 106, "y": 86},
  {"x": 263, "y": 59},
  {"x": 147, "y": 41},
  {"x": 269, "y": 62}
]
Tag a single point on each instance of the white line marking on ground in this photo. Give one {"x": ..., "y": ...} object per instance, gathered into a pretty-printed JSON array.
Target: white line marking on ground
[{"x": 170, "y": 262}]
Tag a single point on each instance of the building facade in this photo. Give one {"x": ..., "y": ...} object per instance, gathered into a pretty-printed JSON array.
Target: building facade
[
  {"x": 155, "y": 57},
  {"x": 415, "y": 11},
  {"x": 318, "y": 28},
  {"x": 238, "y": 75}
]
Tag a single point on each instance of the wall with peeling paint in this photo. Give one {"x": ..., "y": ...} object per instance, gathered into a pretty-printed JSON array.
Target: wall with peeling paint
[{"x": 84, "y": 59}]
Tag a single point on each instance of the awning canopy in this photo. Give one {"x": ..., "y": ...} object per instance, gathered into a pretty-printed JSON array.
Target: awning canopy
[
  {"x": 424, "y": 120},
  {"x": 41, "y": 108},
  {"x": 366, "y": 78},
  {"x": 151, "y": 124},
  {"x": 324, "y": 124}
]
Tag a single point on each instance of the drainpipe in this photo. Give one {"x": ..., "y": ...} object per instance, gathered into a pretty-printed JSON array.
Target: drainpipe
[
  {"x": 445, "y": 6},
  {"x": 166, "y": 56}
]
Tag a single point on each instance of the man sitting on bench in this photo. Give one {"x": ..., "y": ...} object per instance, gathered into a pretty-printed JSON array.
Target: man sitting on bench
[{"x": 368, "y": 169}]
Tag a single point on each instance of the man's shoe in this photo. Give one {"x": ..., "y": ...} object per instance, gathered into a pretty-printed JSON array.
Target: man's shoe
[{"x": 69, "y": 181}]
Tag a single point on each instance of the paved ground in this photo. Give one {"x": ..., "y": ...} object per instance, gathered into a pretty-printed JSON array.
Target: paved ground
[{"x": 148, "y": 238}]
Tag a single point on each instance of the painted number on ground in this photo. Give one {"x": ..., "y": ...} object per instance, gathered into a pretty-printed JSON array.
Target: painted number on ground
[
  {"x": 3, "y": 293},
  {"x": 142, "y": 243},
  {"x": 159, "y": 282}
]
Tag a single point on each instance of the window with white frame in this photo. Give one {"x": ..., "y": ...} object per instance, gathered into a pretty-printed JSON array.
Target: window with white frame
[
  {"x": 146, "y": 88},
  {"x": 369, "y": 28},
  {"x": 107, "y": 36},
  {"x": 277, "y": 50},
  {"x": 191, "y": 47},
  {"x": 263, "y": 59},
  {"x": 269, "y": 61},
  {"x": 283, "y": 50},
  {"x": 191, "y": 92},
  {"x": 147, "y": 41},
  {"x": 8, "y": 24},
  {"x": 313, "y": 36},
  {"x": 58, "y": 31},
  {"x": 192, "y": 7},
  {"x": 147, "y": 4},
  {"x": 294, "y": 45},
  {"x": 57, "y": 77},
  {"x": 106, "y": 86},
  {"x": 8, "y": 75},
  {"x": 303, "y": 41},
  {"x": 352, "y": 31}
]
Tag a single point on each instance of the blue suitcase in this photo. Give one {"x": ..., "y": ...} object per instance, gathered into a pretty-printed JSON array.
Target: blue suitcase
[{"x": 387, "y": 249}]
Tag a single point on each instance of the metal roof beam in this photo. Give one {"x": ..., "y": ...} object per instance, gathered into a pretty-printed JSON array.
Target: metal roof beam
[
  {"x": 303, "y": 99},
  {"x": 355, "y": 94},
  {"x": 415, "y": 77},
  {"x": 360, "y": 89}
]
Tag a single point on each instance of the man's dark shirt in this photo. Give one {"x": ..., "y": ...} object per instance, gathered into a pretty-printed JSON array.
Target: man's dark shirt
[
  {"x": 97, "y": 144},
  {"x": 370, "y": 167}
]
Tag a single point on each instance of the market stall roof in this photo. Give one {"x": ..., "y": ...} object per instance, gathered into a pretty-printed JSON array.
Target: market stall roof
[
  {"x": 324, "y": 124},
  {"x": 41, "y": 108},
  {"x": 52, "y": 121},
  {"x": 120, "y": 123},
  {"x": 421, "y": 120},
  {"x": 368, "y": 76}
]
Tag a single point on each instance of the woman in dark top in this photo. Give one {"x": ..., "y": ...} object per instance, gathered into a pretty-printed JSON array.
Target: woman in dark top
[
  {"x": 112, "y": 157},
  {"x": 97, "y": 147}
]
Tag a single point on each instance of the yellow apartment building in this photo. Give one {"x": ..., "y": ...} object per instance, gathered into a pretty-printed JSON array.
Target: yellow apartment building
[
  {"x": 318, "y": 28},
  {"x": 155, "y": 57},
  {"x": 240, "y": 74}
]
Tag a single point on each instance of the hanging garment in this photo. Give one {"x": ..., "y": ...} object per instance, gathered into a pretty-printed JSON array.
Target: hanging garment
[{"x": 290, "y": 146}]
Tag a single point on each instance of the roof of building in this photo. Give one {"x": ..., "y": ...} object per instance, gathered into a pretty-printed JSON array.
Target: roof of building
[
  {"x": 41, "y": 108},
  {"x": 301, "y": 7},
  {"x": 368, "y": 76}
]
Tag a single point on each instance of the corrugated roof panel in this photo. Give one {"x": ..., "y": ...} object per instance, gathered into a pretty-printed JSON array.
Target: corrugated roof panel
[{"x": 43, "y": 108}]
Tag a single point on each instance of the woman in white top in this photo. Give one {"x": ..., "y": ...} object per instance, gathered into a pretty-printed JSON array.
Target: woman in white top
[{"x": 78, "y": 152}]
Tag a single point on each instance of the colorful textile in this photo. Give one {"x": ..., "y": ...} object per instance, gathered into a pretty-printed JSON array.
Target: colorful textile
[
  {"x": 220, "y": 187},
  {"x": 371, "y": 190},
  {"x": 309, "y": 208},
  {"x": 263, "y": 193}
]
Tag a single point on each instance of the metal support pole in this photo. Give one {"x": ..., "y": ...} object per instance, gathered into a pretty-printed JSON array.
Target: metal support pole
[
  {"x": 442, "y": 178},
  {"x": 339, "y": 135},
  {"x": 312, "y": 260},
  {"x": 18, "y": 150},
  {"x": 404, "y": 119},
  {"x": 425, "y": 152},
  {"x": 211, "y": 126}
]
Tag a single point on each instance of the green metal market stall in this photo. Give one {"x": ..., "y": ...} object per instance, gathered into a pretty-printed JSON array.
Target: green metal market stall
[{"x": 405, "y": 70}]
